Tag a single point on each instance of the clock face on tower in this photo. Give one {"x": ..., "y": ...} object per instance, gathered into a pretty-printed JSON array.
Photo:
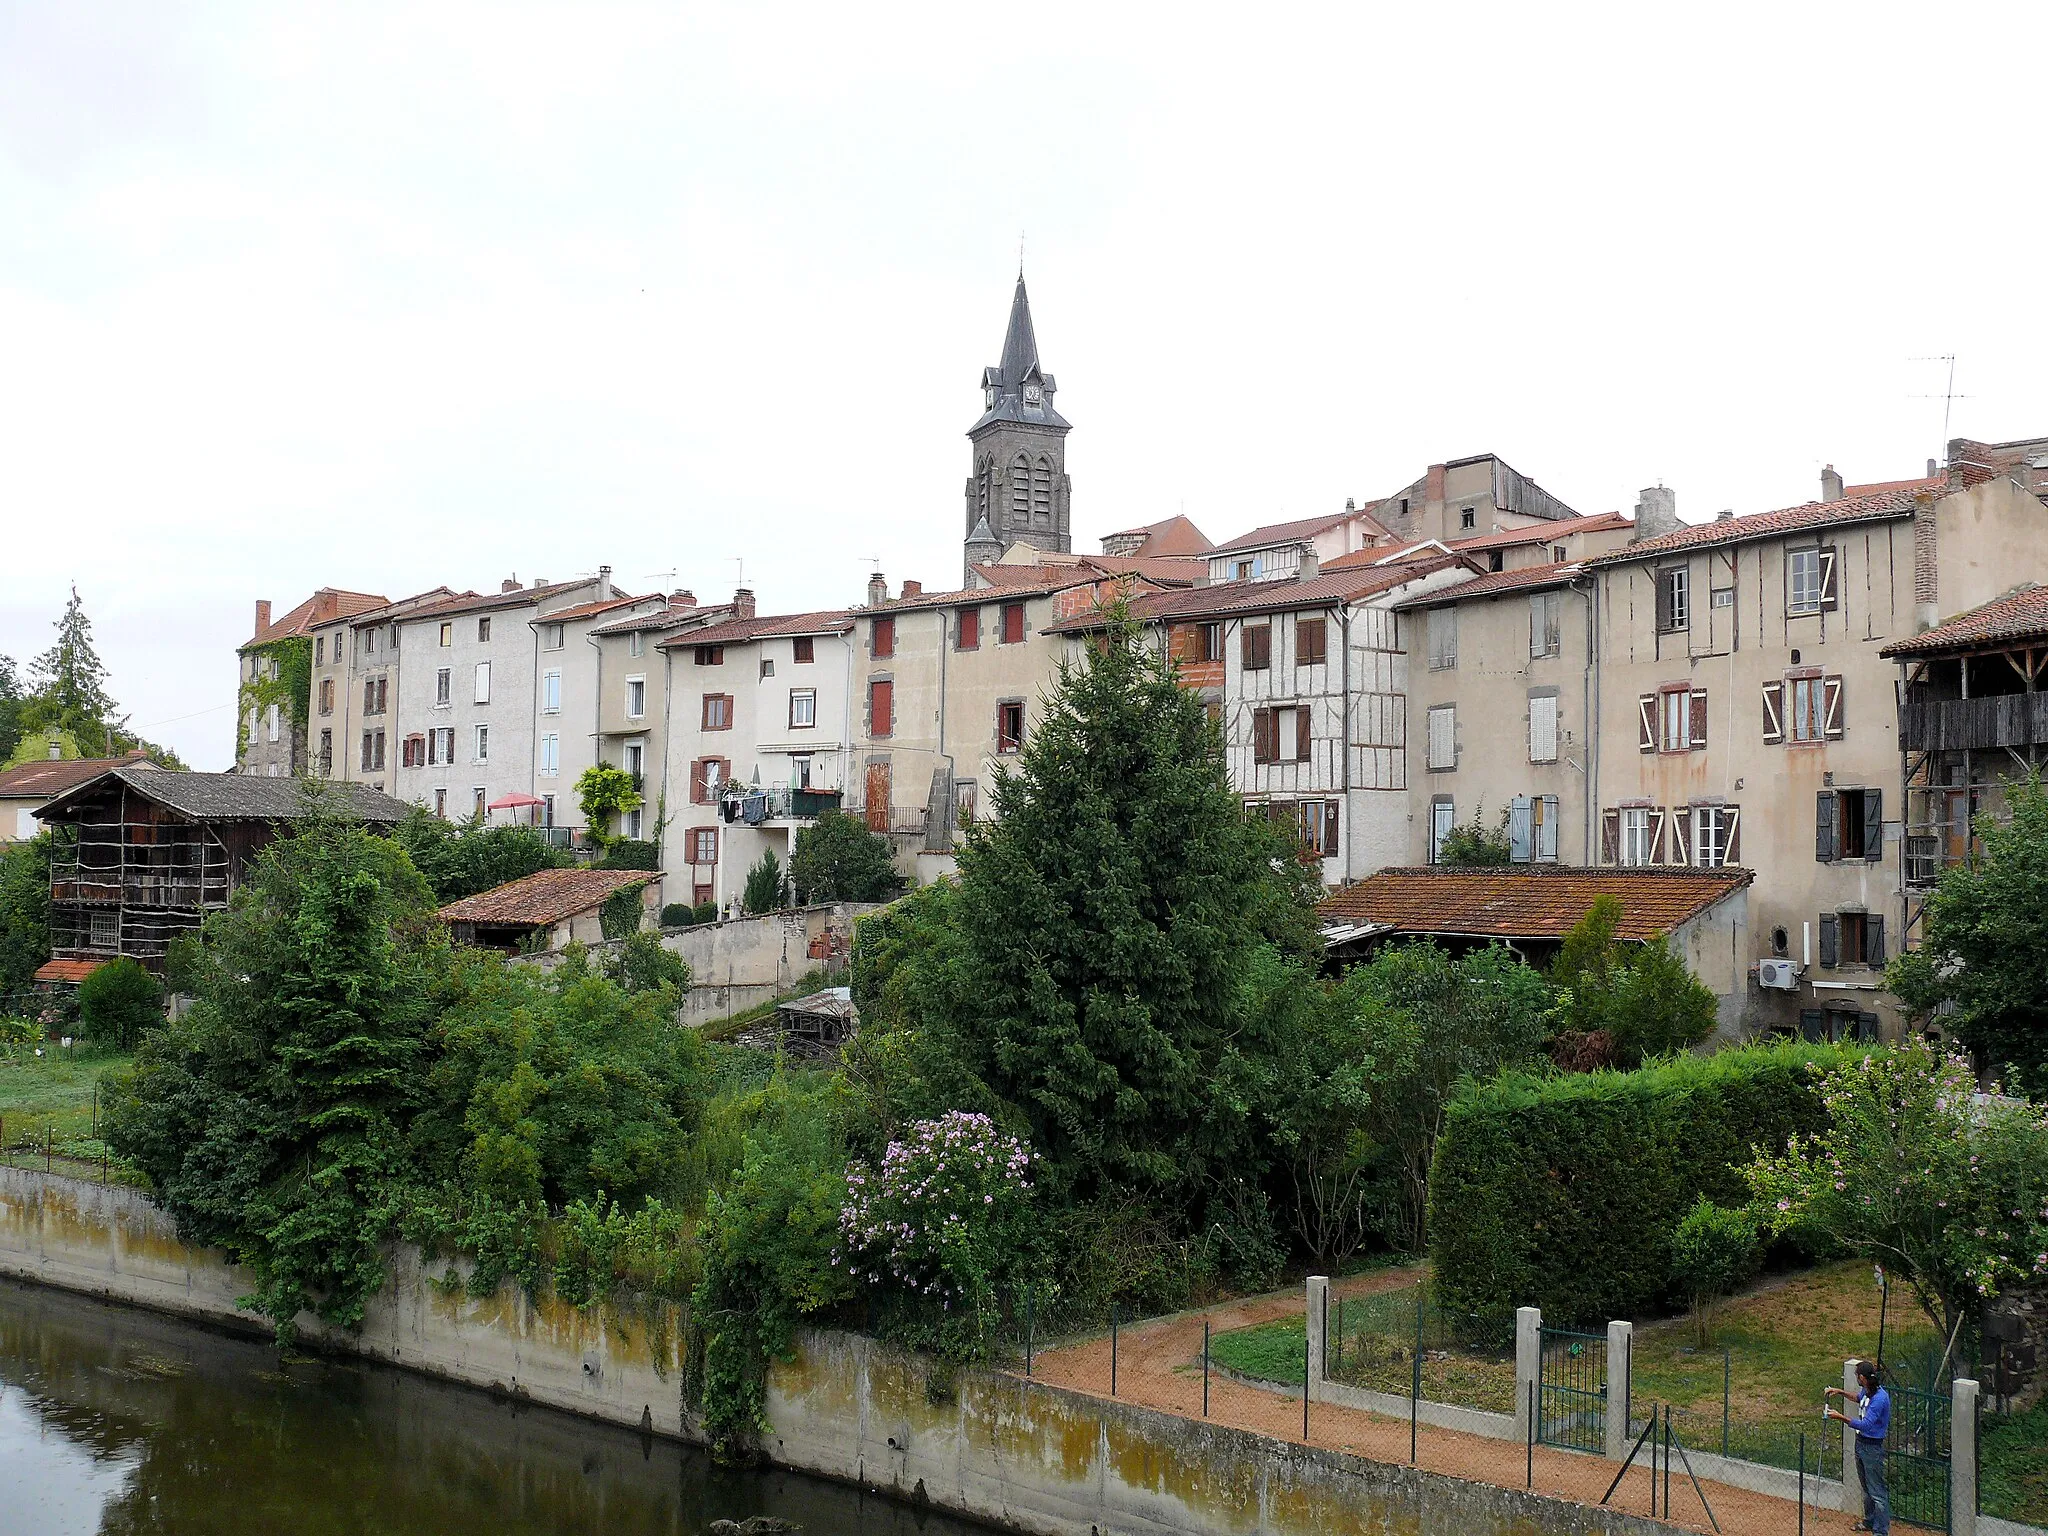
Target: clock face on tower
[
  {"x": 991, "y": 398},
  {"x": 1032, "y": 394}
]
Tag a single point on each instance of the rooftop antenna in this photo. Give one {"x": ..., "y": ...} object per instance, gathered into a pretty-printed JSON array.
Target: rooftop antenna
[
  {"x": 1948, "y": 397},
  {"x": 742, "y": 564},
  {"x": 667, "y": 577}
]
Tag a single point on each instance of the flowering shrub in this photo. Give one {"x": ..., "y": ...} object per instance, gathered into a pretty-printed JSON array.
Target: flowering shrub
[
  {"x": 945, "y": 1223},
  {"x": 1917, "y": 1172}
]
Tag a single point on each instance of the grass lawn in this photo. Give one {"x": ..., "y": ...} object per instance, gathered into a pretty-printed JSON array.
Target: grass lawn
[
  {"x": 1276, "y": 1351},
  {"x": 54, "y": 1090}
]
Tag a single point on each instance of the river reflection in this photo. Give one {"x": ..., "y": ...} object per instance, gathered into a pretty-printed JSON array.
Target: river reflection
[{"x": 120, "y": 1422}]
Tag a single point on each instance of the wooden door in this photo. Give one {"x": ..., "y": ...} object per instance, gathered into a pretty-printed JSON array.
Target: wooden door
[{"x": 878, "y": 797}]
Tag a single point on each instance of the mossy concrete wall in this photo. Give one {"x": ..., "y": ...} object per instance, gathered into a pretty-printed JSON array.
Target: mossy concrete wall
[{"x": 1027, "y": 1456}]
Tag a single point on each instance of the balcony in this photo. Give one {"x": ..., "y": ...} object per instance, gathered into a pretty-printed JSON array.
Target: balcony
[
  {"x": 778, "y": 803},
  {"x": 1974, "y": 725}
]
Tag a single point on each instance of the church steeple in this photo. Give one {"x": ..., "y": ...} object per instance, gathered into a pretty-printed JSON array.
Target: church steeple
[{"x": 1019, "y": 488}]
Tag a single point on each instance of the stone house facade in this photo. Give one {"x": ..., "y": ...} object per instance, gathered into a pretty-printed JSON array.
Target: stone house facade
[{"x": 275, "y": 739}]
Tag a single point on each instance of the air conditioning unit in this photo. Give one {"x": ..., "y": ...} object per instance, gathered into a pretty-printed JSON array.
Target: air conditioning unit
[{"x": 1781, "y": 974}]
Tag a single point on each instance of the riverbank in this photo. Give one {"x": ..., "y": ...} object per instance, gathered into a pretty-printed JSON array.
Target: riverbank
[{"x": 1021, "y": 1454}]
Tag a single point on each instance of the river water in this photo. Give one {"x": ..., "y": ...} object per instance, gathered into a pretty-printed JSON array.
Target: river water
[{"x": 123, "y": 1422}]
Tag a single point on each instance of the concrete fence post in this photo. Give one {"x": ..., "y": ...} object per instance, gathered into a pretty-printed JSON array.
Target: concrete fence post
[
  {"x": 1852, "y": 1480},
  {"x": 1318, "y": 1307},
  {"x": 1618, "y": 1337},
  {"x": 1962, "y": 1458},
  {"x": 1528, "y": 1364}
]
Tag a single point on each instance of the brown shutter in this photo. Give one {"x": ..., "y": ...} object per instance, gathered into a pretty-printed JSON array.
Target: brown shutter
[
  {"x": 1824, "y": 827},
  {"x": 1332, "y": 828},
  {"x": 1830, "y": 588},
  {"x": 1657, "y": 835},
  {"x": 1013, "y": 623},
  {"x": 1828, "y": 945},
  {"x": 878, "y": 791},
  {"x": 1663, "y": 600},
  {"x": 1774, "y": 713},
  {"x": 1301, "y": 734},
  {"x": 1699, "y": 718},
  {"x": 881, "y": 708},
  {"x": 1646, "y": 723},
  {"x": 1734, "y": 853},
  {"x": 1873, "y": 940},
  {"x": 1681, "y": 834},
  {"x": 1610, "y": 836},
  {"x": 1873, "y": 826},
  {"x": 1831, "y": 707}
]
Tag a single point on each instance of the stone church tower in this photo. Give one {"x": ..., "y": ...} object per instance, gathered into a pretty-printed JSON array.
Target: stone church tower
[{"x": 1019, "y": 488}]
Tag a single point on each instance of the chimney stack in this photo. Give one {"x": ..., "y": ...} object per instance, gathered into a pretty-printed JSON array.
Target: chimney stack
[
  {"x": 1932, "y": 468},
  {"x": 262, "y": 616},
  {"x": 1656, "y": 513},
  {"x": 604, "y": 582},
  {"x": 509, "y": 584},
  {"x": 683, "y": 599},
  {"x": 743, "y": 603},
  {"x": 1725, "y": 515},
  {"x": 878, "y": 590},
  {"x": 1311, "y": 563},
  {"x": 913, "y": 589},
  {"x": 1830, "y": 484}
]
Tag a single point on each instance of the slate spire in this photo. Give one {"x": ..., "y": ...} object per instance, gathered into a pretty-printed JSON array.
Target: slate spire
[{"x": 1020, "y": 345}]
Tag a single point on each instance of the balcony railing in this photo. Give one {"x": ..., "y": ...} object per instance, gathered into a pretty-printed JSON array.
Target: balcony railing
[
  {"x": 779, "y": 802},
  {"x": 1959, "y": 725}
]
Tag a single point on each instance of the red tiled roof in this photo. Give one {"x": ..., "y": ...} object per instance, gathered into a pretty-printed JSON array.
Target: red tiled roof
[
  {"x": 1529, "y": 901},
  {"x": 323, "y": 607},
  {"x": 1286, "y": 533},
  {"x": 829, "y": 621},
  {"x": 2021, "y": 615},
  {"x": 1546, "y": 533},
  {"x": 663, "y": 618},
  {"x": 1050, "y": 578},
  {"x": 1176, "y": 535},
  {"x": 1494, "y": 583},
  {"x": 1878, "y": 506},
  {"x": 545, "y": 897},
  {"x": 72, "y": 971},
  {"x": 1228, "y": 597},
  {"x": 52, "y": 776},
  {"x": 476, "y": 602},
  {"x": 1877, "y": 487},
  {"x": 1174, "y": 570},
  {"x": 586, "y": 610}
]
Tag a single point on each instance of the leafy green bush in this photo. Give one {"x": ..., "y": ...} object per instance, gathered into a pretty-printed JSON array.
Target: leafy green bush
[
  {"x": 631, "y": 853},
  {"x": 642, "y": 964},
  {"x": 837, "y": 858},
  {"x": 763, "y": 891},
  {"x": 1625, "y": 1001},
  {"x": 118, "y": 1004},
  {"x": 24, "y": 911},
  {"x": 621, "y": 912},
  {"x": 1563, "y": 1192},
  {"x": 1475, "y": 845},
  {"x": 604, "y": 792},
  {"x": 1714, "y": 1250},
  {"x": 460, "y": 861},
  {"x": 707, "y": 911},
  {"x": 678, "y": 914}
]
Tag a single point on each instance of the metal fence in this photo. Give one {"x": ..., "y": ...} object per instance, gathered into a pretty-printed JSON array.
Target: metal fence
[
  {"x": 1571, "y": 1396},
  {"x": 1406, "y": 1342}
]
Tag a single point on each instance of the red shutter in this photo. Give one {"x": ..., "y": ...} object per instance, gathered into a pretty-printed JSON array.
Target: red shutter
[
  {"x": 1699, "y": 718},
  {"x": 1657, "y": 835},
  {"x": 881, "y": 708},
  {"x": 882, "y": 637},
  {"x": 1610, "y": 836},
  {"x": 970, "y": 628},
  {"x": 1681, "y": 835},
  {"x": 1013, "y": 623},
  {"x": 1646, "y": 722},
  {"x": 1774, "y": 713},
  {"x": 1831, "y": 695},
  {"x": 1734, "y": 853},
  {"x": 1301, "y": 734}
]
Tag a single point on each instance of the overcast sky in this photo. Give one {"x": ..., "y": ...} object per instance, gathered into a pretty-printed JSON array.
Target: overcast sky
[{"x": 385, "y": 297}]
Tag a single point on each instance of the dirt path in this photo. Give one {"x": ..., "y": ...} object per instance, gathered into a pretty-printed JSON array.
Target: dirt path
[{"x": 1159, "y": 1365}]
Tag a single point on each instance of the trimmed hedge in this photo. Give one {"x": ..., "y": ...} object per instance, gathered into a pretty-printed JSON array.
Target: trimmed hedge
[
  {"x": 1563, "y": 1192},
  {"x": 678, "y": 914},
  {"x": 631, "y": 853}
]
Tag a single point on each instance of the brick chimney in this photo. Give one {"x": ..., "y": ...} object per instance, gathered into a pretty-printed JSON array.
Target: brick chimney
[
  {"x": 509, "y": 584},
  {"x": 683, "y": 599},
  {"x": 1830, "y": 483},
  {"x": 1656, "y": 513},
  {"x": 262, "y": 615},
  {"x": 743, "y": 603},
  {"x": 913, "y": 589},
  {"x": 1435, "y": 483},
  {"x": 878, "y": 590}
]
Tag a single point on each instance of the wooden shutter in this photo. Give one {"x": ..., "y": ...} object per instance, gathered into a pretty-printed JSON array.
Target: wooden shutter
[
  {"x": 1546, "y": 829},
  {"x": 1734, "y": 834},
  {"x": 878, "y": 791},
  {"x": 1774, "y": 713},
  {"x": 1521, "y": 830},
  {"x": 1646, "y": 722},
  {"x": 1310, "y": 642},
  {"x": 1657, "y": 835},
  {"x": 881, "y": 708},
  {"x": 1256, "y": 647},
  {"x": 1873, "y": 826},
  {"x": 1824, "y": 843},
  {"x": 1831, "y": 707},
  {"x": 1699, "y": 718},
  {"x": 1301, "y": 733},
  {"x": 882, "y": 637},
  {"x": 1013, "y": 623},
  {"x": 969, "y": 634},
  {"x": 1873, "y": 940},
  {"x": 1828, "y": 947},
  {"x": 1681, "y": 834},
  {"x": 1332, "y": 829},
  {"x": 1261, "y": 719},
  {"x": 1663, "y": 580},
  {"x": 1830, "y": 588},
  {"x": 1610, "y": 836},
  {"x": 1543, "y": 729}
]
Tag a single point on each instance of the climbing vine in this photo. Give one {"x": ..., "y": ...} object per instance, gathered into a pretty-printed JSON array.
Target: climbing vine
[
  {"x": 290, "y": 688},
  {"x": 604, "y": 792}
]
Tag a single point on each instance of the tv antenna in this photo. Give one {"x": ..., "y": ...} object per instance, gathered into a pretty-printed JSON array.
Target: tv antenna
[
  {"x": 742, "y": 564},
  {"x": 1948, "y": 397}
]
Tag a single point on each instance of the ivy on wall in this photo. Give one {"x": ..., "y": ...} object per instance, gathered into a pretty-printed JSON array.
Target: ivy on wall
[{"x": 290, "y": 688}]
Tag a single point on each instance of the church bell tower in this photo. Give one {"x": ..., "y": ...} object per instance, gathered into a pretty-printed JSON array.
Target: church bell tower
[{"x": 1019, "y": 489}]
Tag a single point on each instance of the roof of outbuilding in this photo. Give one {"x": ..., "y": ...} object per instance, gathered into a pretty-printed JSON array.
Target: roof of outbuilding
[
  {"x": 544, "y": 897},
  {"x": 829, "y": 621},
  {"x": 52, "y": 776},
  {"x": 71, "y": 971},
  {"x": 2021, "y": 615},
  {"x": 235, "y": 796},
  {"x": 1529, "y": 901}
]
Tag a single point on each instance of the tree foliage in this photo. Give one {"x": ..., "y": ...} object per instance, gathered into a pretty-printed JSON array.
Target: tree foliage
[
  {"x": 605, "y": 793},
  {"x": 119, "y": 1003},
  {"x": 463, "y": 860},
  {"x": 763, "y": 890},
  {"x": 1984, "y": 944},
  {"x": 1622, "y": 1003},
  {"x": 836, "y": 858},
  {"x": 24, "y": 910},
  {"x": 1714, "y": 1250},
  {"x": 1474, "y": 845}
]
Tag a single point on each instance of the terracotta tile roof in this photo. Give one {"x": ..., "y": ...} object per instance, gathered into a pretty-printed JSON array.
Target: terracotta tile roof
[
  {"x": 1233, "y": 597},
  {"x": 72, "y": 971},
  {"x": 588, "y": 610},
  {"x": 1176, "y": 535},
  {"x": 1879, "y": 506},
  {"x": 52, "y": 776},
  {"x": 669, "y": 617},
  {"x": 1546, "y": 533},
  {"x": 2021, "y": 615},
  {"x": 406, "y": 605},
  {"x": 1529, "y": 901},
  {"x": 1878, "y": 487},
  {"x": 543, "y": 898},
  {"x": 1001, "y": 577},
  {"x": 1286, "y": 533},
  {"x": 1170, "y": 570},
  {"x": 485, "y": 602},
  {"x": 323, "y": 607},
  {"x": 829, "y": 621},
  {"x": 1494, "y": 583},
  {"x": 1050, "y": 578}
]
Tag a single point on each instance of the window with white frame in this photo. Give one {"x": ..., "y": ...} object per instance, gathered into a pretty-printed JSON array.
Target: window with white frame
[
  {"x": 483, "y": 682},
  {"x": 1443, "y": 816},
  {"x": 1443, "y": 639},
  {"x": 1532, "y": 829},
  {"x": 483, "y": 744},
  {"x": 1674, "y": 707},
  {"x": 442, "y": 687},
  {"x": 478, "y": 800},
  {"x": 1713, "y": 835},
  {"x": 447, "y": 633},
  {"x": 1546, "y": 613},
  {"x": 1443, "y": 736},
  {"x": 1543, "y": 728},
  {"x": 1638, "y": 834},
  {"x": 636, "y": 697},
  {"x": 550, "y": 753},
  {"x": 441, "y": 745},
  {"x": 271, "y": 722},
  {"x": 635, "y": 758},
  {"x": 1805, "y": 581},
  {"x": 551, "y": 637},
  {"x": 551, "y": 693},
  {"x": 803, "y": 708},
  {"x": 441, "y": 803}
]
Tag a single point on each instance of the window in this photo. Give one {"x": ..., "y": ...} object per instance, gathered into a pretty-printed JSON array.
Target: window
[
  {"x": 1810, "y": 580},
  {"x": 1714, "y": 836},
  {"x": 327, "y": 754},
  {"x": 374, "y": 694},
  {"x": 1246, "y": 569},
  {"x": 367, "y": 644},
  {"x": 803, "y": 649},
  {"x": 440, "y": 745},
  {"x": 1808, "y": 709},
  {"x": 1311, "y": 640},
  {"x": 373, "y": 751},
  {"x": 1532, "y": 829},
  {"x": 636, "y": 642},
  {"x": 1443, "y": 737},
  {"x": 550, "y": 753},
  {"x": 635, "y": 758},
  {"x": 1255, "y": 647},
  {"x": 1010, "y": 726},
  {"x": 803, "y": 708},
  {"x": 709, "y": 656},
  {"x": 967, "y": 629},
  {"x": 551, "y": 637},
  {"x": 881, "y": 707},
  {"x": 1546, "y": 617},
  {"x": 483, "y": 682},
  {"x": 717, "y": 712},
  {"x": 965, "y": 799},
  {"x": 767, "y": 666},
  {"x": 447, "y": 633},
  {"x": 478, "y": 798},
  {"x": 1672, "y": 720},
  {"x": 1722, "y": 597},
  {"x": 1269, "y": 725},
  {"x": 1211, "y": 641},
  {"x": 636, "y": 697},
  {"x": 270, "y": 722},
  {"x": 1543, "y": 728},
  {"x": 1851, "y": 939},
  {"x": 1443, "y": 639},
  {"x": 441, "y": 803},
  {"x": 1013, "y": 623},
  {"x": 319, "y": 650},
  {"x": 799, "y": 770},
  {"x": 1468, "y": 518},
  {"x": 1848, "y": 824},
  {"x": 1559, "y": 554},
  {"x": 1639, "y": 830},
  {"x": 442, "y": 687},
  {"x": 483, "y": 629},
  {"x": 483, "y": 744},
  {"x": 704, "y": 845},
  {"x": 882, "y": 637},
  {"x": 1443, "y": 815},
  {"x": 547, "y": 810},
  {"x": 106, "y": 930},
  {"x": 412, "y": 752},
  {"x": 551, "y": 693},
  {"x": 1496, "y": 560},
  {"x": 706, "y": 774},
  {"x": 1675, "y": 735},
  {"x": 633, "y": 822},
  {"x": 326, "y": 695},
  {"x": 1674, "y": 599}
]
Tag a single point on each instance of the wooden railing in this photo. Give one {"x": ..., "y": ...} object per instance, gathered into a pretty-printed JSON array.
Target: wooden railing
[{"x": 1958, "y": 725}]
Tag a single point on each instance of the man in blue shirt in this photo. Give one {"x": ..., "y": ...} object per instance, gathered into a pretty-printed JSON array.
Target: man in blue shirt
[{"x": 1872, "y": 1423}]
